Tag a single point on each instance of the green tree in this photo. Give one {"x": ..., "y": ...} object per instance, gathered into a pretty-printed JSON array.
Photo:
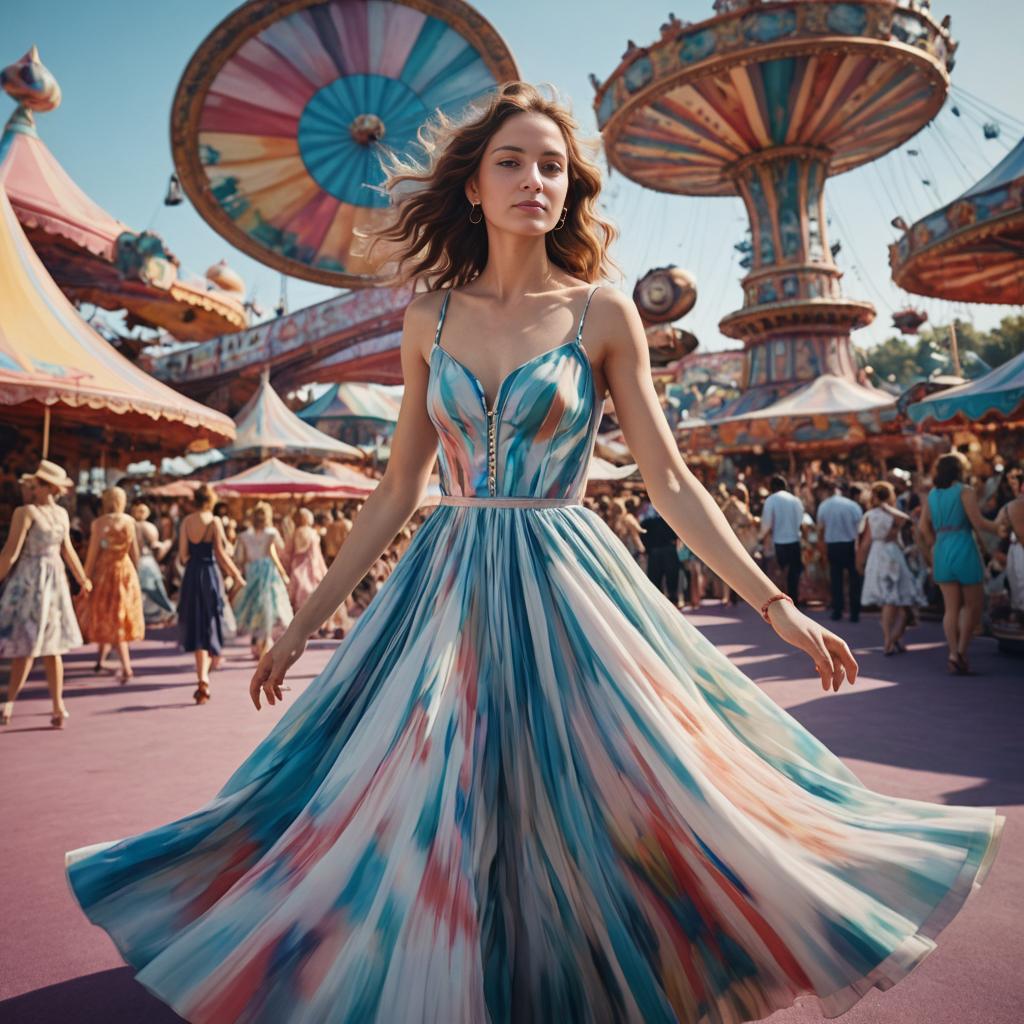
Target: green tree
[{"x": 904, "y": 361}]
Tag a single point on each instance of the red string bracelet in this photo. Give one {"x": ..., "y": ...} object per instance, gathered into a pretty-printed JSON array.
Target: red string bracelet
[{"x": 777, "y": 597}]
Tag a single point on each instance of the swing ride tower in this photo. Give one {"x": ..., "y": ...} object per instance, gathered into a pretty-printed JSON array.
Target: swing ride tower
[{"x": 765, "y": 100}]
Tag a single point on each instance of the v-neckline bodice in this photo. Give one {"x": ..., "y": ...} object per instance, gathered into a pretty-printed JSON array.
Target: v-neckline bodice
[{"x": 492, "y": 408}]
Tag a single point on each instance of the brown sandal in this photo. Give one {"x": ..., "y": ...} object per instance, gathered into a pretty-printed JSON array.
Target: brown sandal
[{"x": 202, "y": 694}]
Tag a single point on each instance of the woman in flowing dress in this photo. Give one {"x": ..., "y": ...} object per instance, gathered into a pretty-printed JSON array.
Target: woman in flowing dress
[
  {"x": 262, "y": 606},
  {"x": 111, "y": 614},
  {"x": 888, "y": 582},
  {"x": 525, "y": 788},
  {"x": 37, "y": 618}
]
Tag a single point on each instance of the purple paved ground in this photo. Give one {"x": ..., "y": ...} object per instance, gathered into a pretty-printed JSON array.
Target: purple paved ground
[{"x": 130, "y": 759}]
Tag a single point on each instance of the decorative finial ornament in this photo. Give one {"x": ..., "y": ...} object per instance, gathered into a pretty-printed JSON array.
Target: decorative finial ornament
[{"x": 30, "y": 83}]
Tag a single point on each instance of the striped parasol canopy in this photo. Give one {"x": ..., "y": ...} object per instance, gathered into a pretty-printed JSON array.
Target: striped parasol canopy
[
  {"x": 276, "y": 479},
  {"x": 282, "y": 113}
]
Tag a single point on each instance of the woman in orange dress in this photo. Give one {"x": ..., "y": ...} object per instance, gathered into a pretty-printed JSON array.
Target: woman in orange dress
[{"x": 112, "y": 614}]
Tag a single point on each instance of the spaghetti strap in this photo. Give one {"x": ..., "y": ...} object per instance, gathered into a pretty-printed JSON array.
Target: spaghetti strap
[
  {"x": 583, "y": 315},
  {"x": 440, "y": 319}
]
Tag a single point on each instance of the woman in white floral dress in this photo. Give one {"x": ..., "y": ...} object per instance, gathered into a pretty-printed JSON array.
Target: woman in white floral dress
[
  {"x": 888, "y": 581},
  {"x": 37, "y": 618}
]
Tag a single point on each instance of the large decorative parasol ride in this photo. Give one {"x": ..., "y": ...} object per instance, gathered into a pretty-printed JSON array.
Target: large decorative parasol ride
[
  {"x": 279, "y": 118},
  {"x": 766, "y": 101}
]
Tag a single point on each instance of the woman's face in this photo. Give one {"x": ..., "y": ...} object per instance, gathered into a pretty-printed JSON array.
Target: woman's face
[
  {"x": 525, "y": 162},
  {"x": 42, "y": 492}
]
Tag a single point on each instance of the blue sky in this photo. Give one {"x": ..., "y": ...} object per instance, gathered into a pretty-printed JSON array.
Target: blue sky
[{"x": 118, "y": 63}]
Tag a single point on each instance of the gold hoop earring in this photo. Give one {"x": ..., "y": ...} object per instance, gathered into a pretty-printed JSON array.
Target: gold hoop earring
[
  {"x": 561, "y": 223},
  {"x": 476, "y": 209}
]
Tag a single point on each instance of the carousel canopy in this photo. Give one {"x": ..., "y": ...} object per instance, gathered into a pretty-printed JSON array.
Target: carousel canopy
[
  {"x": 997, "y": 397},
  {"x": 274, "y": 478},
  {"x": 829, "y": 412},
  {"x": 971, "y": 250},
  {"x": 357, "y": 402},
  {"x": 827, "y": 395},
  {"x": 265, "y": 424},
  {"x": 93, "y": 256},
  {"x": 50, "y": 355}
]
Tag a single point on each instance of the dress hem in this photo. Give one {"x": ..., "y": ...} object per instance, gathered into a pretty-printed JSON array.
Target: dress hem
[{"x": 910, "y": 953}]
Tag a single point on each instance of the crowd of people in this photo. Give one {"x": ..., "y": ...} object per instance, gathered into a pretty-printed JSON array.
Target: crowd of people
[
  {"x": 104, "y": 572},
  {"x": 951, "y": 541}
]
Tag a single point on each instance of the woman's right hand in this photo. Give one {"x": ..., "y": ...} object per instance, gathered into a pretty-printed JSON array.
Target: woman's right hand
[
  {"x": 269, "y": 674},
  {"x": 87, "y": 585}
]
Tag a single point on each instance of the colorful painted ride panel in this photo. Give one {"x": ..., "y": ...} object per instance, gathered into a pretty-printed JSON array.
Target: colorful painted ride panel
[
  {"x": 281, "y": 115},
  {"x": 855, "y": 79}
]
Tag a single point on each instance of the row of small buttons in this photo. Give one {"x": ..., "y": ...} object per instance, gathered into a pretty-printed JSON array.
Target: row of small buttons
[{"x": 491, "y": 455}]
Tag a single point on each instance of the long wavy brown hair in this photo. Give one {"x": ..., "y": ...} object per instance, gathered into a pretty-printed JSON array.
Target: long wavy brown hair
[{"x": 429, "y": 235}]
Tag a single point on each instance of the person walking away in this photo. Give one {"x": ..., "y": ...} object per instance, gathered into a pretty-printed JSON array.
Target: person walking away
[
  {"x": 839, "y": 517},
  {"x": 157, "y": 607},
  {"x": 888, "y": 582},
  {"x": 662, "y": 557},
  {"x": 782, "y": 517},
  {"x": 304, "y": 561},
  {"x": 946, "y": 520},
  {"x": 37, "y": 618},
  {"x": 111, "y": 615},
  {"x": 263, "y": 603},
  {"x": 201, "y": 549}
]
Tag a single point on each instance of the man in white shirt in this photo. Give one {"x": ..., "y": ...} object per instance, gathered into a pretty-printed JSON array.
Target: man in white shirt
[
  {"x": 783, "y": 515},
  {"x": 840, "y": 520}
]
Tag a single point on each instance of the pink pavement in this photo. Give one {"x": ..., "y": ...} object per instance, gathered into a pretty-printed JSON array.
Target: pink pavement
[{"x": 133, "y": 757}]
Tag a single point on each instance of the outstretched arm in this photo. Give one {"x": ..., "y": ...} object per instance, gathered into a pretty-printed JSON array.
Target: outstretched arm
[{"x": 683, "y": 501}]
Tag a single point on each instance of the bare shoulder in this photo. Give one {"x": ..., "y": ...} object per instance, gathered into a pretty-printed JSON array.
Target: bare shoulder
[
  {"x": 420, "y": 323},
  {"x": 613, "y": 322},
  {"x": 422, "y": 313}
]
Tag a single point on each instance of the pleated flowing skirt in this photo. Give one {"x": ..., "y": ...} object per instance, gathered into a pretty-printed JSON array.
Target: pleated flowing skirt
[
  {"x": 263, "y": 604},
  {"x": 525, "y": 788}
]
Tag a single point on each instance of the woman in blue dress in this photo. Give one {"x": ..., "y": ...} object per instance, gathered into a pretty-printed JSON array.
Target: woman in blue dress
[
  {"x": 202, "y": 549},
  {"x": 525, "y": 788},
  {"x": 946, "y": 520}
]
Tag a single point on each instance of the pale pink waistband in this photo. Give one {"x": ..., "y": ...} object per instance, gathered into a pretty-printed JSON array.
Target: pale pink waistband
[{"x": 505, "y": 502}]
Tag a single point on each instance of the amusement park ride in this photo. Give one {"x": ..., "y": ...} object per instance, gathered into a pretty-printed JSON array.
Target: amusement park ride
[
  {"x": 767, "y": 100},
  {"x": 281, "y": 114},
  {"x": 94, "y": 257}
]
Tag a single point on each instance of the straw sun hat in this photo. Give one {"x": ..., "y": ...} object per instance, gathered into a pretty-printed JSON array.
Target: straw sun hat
[{"x": 54, "y": 475}]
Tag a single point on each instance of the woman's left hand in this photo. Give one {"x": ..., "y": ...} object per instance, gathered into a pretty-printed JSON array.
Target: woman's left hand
[{"x": 832, "y": 658}]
